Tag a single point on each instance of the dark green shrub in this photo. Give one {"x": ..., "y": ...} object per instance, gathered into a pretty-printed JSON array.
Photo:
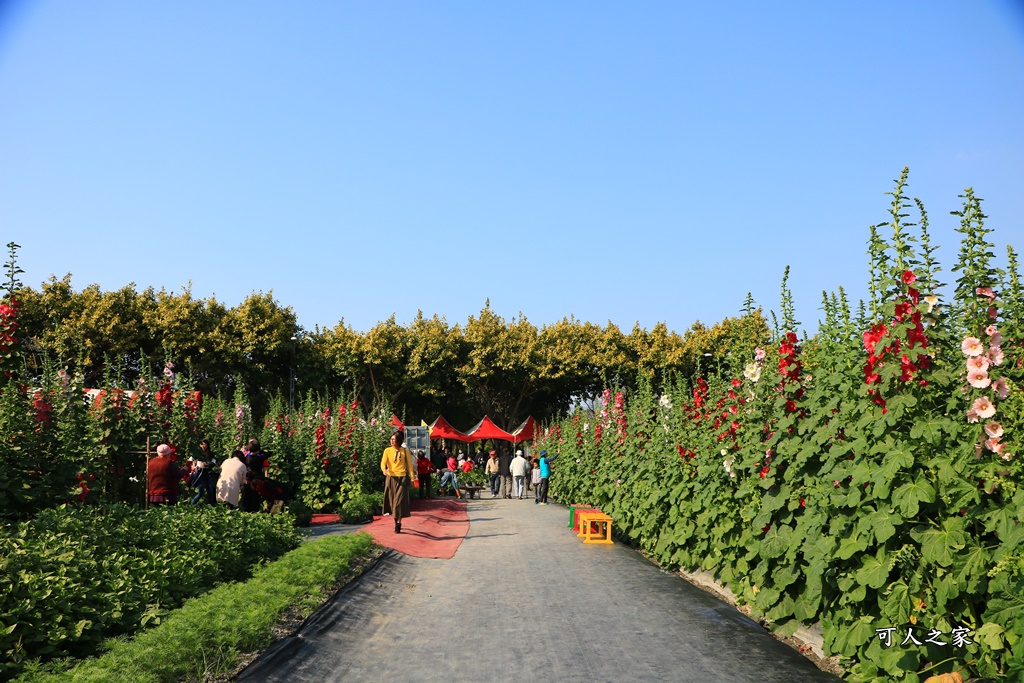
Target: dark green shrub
[
  {"x": 76, "y": 576},
  {"x": 361, "y": 507}
]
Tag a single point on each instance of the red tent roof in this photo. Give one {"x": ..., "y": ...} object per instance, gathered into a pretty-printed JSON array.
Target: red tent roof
[
  {"x": 440, "y": 429},
  {"x": 395, "y": 422},
  {"x": 524, "y": 432},
  {"x": 486, "y": 429}
]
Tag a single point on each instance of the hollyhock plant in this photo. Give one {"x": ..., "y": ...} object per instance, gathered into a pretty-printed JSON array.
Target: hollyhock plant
[
  {"x": 994, "y": 445},
  {"x": 983, "y": 407},
  {"x": 978, "y": 379},
  {"x": 1001, "y": 388},
  {"x": 972, "y": 346},
  {"x": 978, "y": 363},
  {"x": 752, "y": 372},
  {"x": 995, "y": 355}
]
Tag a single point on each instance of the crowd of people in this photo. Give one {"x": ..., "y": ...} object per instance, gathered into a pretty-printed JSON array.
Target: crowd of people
[
  {"x": 240, "y": 482},
  {"x": 509, "y": 476}
]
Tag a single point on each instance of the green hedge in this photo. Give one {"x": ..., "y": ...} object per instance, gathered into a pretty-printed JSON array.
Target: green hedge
[
  {"x": 207, "y": 634},
  {"x": 75, "y": 576}
]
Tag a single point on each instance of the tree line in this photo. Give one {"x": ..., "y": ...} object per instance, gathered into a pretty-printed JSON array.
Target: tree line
[{"x": 508, "y": 369}]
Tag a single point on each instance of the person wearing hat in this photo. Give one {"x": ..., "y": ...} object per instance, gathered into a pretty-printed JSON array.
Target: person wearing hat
[
  {"x": 545, "y": 474},
  {"x": 491, "y": 470},
  {"x": 519, "y": 467}
]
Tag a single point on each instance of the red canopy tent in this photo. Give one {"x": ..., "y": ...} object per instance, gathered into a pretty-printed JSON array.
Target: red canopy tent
[
  {"x": 524, "y": 431},
  {"x": 440, "y": 429},
  {"x": 486, "y": 429},
  {"x": 395, "y": 422}
]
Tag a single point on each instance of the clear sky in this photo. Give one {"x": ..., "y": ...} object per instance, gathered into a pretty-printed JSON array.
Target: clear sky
[{"x": 623, "y": 162}]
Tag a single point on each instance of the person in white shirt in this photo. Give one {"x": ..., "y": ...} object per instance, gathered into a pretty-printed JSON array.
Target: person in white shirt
[{"x": 519, "y": 467}]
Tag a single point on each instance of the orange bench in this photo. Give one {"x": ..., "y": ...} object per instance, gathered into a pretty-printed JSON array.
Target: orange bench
[{"x": 595, "y": 527}]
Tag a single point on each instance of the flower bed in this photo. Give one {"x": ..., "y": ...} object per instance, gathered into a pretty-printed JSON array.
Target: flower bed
[
  {"x": 76, "y": 576},
  {"x": 868, "y": 478}
]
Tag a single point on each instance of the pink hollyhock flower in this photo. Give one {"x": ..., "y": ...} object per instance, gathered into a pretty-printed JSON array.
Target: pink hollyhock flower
[
  {"x": 978, "y": 363},
  {"x": 994, "y": 429},
  {"x": 1001, "y": 388},
  {"x": 995, "y": 339},
  {"x": 990, "y": 330},
  {"x": 972, "y": 416},
  {"x": 978, "y": 379},
  {"x": 995, "y": 354},
  {"x": 984, "y": 407},
  {"x": 758, "y": 353},
  {"x": 994, "y": 445},
  {"x": 1007, "y": 456},
  {"x": 971, "y": 346},
  {"x": 908, "y": 277},
  {"x": 986, "y": 292}
]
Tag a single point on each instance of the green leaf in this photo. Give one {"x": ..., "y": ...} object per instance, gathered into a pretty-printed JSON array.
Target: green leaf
[
  {"x": 991, "y": 634},
  {"x": 941, "y": 545},
  {"x": 909, "y": 496},
  {"x": 853, "y": 545},
  {"x": 874, "y": 570},
  {"x": 776, "y": 541},
  {"x": 849, "y": 640}
]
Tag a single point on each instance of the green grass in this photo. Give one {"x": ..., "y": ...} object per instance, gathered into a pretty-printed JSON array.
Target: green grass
[{"x": 209, "y": 632}]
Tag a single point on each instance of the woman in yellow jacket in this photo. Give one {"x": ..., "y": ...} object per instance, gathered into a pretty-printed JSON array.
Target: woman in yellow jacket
[{"x": 398, "y": 468}]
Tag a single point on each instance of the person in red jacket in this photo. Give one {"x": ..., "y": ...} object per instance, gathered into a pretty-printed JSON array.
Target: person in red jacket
[
  {"x": 163, "y": 477},
  {"x": 423, "y": 469}
]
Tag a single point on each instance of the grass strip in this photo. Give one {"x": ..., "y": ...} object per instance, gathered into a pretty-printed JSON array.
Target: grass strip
[{"x": 207, "y": 634}]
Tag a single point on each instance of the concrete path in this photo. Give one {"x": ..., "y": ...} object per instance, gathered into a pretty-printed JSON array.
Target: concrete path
[{"x": 524, "y": 599}]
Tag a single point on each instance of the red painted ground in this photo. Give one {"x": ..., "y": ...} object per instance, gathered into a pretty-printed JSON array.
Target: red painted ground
[
  {"x": 435, "y": 530},
  {"x": 325, "y": 519}
]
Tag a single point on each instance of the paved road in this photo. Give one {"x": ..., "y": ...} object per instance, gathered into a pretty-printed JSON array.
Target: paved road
[{"x": 524, "y": 599}]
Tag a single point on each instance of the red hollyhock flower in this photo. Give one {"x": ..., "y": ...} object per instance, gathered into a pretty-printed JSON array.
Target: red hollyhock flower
[{"x": 908, "y": 277}]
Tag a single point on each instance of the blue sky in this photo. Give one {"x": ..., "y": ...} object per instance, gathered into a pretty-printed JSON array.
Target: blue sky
[{"x": 638, "y": 162}]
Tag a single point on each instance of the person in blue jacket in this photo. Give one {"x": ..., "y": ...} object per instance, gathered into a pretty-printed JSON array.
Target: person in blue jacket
[{"x": 545, "y": 474}]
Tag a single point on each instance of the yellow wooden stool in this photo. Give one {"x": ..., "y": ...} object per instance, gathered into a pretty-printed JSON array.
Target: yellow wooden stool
[{"x": 595, "y": 527}]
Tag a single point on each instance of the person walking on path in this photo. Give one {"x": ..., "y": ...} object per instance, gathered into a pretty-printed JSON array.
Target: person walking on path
[
  {"x": 491, "y": 471},
  {"x": 519, "y": 466},
  {"x": 423, "y": 469},
  {"x": 545, "y": 475},
  {"x": 505, "y": 470},
  {"x": 396, "y": 464}
]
